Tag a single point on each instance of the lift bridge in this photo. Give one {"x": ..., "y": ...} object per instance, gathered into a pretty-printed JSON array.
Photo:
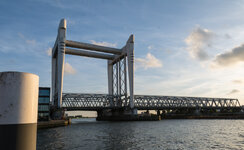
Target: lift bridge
[{"x": 120, "y": 65}]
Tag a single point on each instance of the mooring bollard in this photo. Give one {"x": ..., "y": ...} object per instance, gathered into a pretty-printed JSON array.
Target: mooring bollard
[{"x": 18, "y": 110}]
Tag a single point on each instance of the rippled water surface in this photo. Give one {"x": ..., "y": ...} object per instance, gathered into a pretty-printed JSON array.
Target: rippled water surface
[{"x": 164, "y": 134}]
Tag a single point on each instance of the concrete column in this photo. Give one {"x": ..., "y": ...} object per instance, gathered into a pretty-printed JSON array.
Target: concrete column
[
  {"x": 125, "y": 79},
  {"x": 110, "y": 77},
  {"x": 60, "y": 59},
  {"x": 119, "y": 81},
  {"x": 117, "y": 84},
  {"x": 18, "y": 110},
  {"x": 110, "y": 80},
  {"x": 54, "y": 75},
  {"x": 130, "y": 55}
]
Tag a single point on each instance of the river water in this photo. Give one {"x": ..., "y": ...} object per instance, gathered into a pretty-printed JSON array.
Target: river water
[{"x": 148, "y": 135}]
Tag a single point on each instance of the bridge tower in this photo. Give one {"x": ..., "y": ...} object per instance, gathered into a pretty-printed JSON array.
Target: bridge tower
[{"x": 120, "y": 65}]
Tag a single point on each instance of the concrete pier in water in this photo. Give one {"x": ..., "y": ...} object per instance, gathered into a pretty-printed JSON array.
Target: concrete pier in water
[{"x": 18, "y": 110}]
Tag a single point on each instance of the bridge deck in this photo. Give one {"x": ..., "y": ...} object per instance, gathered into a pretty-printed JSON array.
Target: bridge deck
[{"x": 94, "y": 102}]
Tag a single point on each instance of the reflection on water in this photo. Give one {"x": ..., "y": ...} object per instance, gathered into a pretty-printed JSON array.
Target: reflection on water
[{"x": 165, "y": 134}]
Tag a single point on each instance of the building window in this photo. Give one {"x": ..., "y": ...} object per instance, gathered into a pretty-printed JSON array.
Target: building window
[
  {"x": 44, "y": 92},
  {"x": 43, "y": 107},
  {"x": 43, "y": 103},
  {"x": 44, "y": 100}
]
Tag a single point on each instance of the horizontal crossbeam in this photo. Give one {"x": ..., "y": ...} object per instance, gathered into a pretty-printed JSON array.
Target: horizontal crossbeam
[
  {"x": 87, "y": 46},
  {"x": 88, "y": 54}
]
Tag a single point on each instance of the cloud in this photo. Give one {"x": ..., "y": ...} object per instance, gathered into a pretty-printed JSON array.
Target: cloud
[
  {"x": 227, "y": 36},
  {"x": 150, "y": 47},
  {"x": 149, "y": 61},
  {"x": 31, "y": 42},
  {"x": 231, "y": 57},
  {"x": 233, "y": 91},
  {"x": 49, "y": 51},
  {"x": 104, "y": 43},
  {"x": 197, "y": 41},
  {"x": 21, "y": 35},
  {"x": 27, "y": 41},
  {"x": 68, "y": 69},
  {"x": 237, "y": 81}
]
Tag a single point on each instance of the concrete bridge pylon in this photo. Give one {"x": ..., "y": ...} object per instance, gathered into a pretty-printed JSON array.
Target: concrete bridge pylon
[{"x": 120, "y": 65}]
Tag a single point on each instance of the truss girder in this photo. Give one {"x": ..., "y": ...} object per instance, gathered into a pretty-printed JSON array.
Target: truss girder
[
  {"x": 72, "y": 101},
  {"x": 172, "y": 102}
]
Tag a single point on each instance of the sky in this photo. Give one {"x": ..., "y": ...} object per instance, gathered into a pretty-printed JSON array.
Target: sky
[{"x": 182, "y": 48}]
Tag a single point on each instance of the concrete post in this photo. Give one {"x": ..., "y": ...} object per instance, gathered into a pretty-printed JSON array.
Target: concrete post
[
  {"x": 60, "y": 59},
  {"x": 117, "y": 84},
  {"x": 54, "y": 83},
  {"x": 130, "y": 55},
  {"x": 18, "y": 110},
  {"x": 125, "y": 80},
  {"x": 110, "y": 80}
]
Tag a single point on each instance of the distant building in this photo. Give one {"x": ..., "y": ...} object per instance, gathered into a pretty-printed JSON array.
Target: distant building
[{"x": 44, "y": 103}]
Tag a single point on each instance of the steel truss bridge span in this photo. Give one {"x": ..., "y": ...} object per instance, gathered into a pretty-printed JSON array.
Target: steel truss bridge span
[{"x": 95, "y": 102}]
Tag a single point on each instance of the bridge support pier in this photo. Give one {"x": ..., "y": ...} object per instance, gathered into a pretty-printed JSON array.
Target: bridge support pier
[
  {"x": 123, "y": 114},
  {"x": 57, "y": 113}
]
